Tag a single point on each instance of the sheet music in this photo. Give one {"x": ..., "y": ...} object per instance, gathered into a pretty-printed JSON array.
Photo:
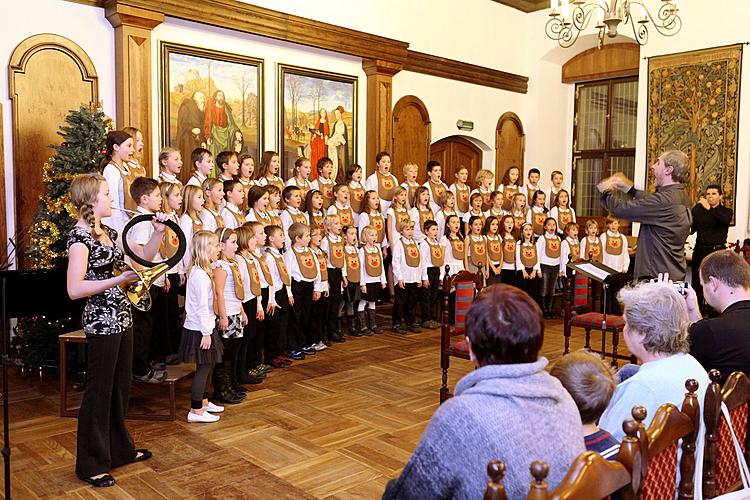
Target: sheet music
[{"x": 593, "y": 270}]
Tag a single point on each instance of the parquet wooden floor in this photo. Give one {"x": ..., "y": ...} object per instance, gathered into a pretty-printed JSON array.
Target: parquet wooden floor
[{"x": 337, "y": 425}]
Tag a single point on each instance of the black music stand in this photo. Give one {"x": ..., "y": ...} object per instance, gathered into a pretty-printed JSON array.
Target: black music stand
[{"x": 601, "y": 274}]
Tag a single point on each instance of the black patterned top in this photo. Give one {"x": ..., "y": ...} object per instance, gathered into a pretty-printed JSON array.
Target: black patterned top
[{"x": 108, "y": 312}]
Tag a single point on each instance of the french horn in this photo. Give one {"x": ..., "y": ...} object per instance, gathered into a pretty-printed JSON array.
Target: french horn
[{"x": 137, "y": 291}]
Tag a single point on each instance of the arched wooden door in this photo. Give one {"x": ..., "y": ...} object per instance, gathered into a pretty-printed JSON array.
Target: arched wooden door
[
  {"x": 454, "y": 152},
  {"x": 411, "y": 136},
  {"x": 510, "y": 144}
]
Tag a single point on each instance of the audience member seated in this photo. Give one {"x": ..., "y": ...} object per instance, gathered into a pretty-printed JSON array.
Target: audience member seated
[
  {"x": 591, "y": 383},
  {"x": 723, "y": 342},
  {"x": 509, "y": 409},
  {"x": 656, "y": 323}
]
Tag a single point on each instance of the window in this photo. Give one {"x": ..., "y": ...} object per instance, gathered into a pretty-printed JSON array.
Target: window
[{"x": 604, "y": 132}]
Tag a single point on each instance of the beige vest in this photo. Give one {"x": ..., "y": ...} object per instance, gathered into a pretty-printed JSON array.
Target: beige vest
[
  {"x": 306, "y": 263},
  {"x": 373, "y": 262}
]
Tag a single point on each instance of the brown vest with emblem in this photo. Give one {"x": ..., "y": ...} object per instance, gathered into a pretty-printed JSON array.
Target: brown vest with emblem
[
  {"x": 519, "y": 220},
  {"x": 457, "y": 248},
  {"x": 239, "y": 287},
  {"x": 373, "y": 262},
  {"x": 218, "y": 218},
  {"x": 528, "y": 255},
  {"x": 262, "y": 217},
  {"x": 575, "y": 250},
  {"x": 346, "y": 215},
  {"x": 594, "y": 250},
  {"x": 336, "y": 250},
  {"x": 169, "y": 244},
  {"x": 411, "y": 253},
  {"x": 437, "y": 254},
  {"x": 281, "y": 268},
  {"x": 438, "y": 189},
  {"x": 197, "y": 224},
  {"x": 306, "y": 263},
  {"x": 424, "y": 216},
  {"x": 352, "y": 266},
  {"x": 508, "y": 193},
  {"x": 317, "y": 220},
  {"x": 275, "y": 219},
  {"x": 495, "y": 249},
  {"x": 127, "y": 179},
  {"x": 553, "y": 197},
  {"x": 614, "y": 244},
  {"x": 357, "y": 198},
  {"x": 410, "y": 193},
  {"x": 304, "y": 186},
  {"x": 299, "y": 217},
  {"x": 537, "y": 222},
  {"x": 322, "y": 264},
  {"x": 237, "y": 216},
  {"x": 462, "y": 198},
  {"x": 276, "y": 181},
  {"x": 326, "y": 189},
  {"x": 254, "y": 276},
  {"x": 386, "y": 186},
  {"x": 378, "y": 223},
  {"x": 264, "y": 268},
  {"x": 552, "y": 247},
  {"x": 564, "y": 218},
  {"x": 486, "y": 200},
  {"x": 509, "y": 250},
  {"x": 402, "y": 217},
  {"x": 478, "y": 251}
]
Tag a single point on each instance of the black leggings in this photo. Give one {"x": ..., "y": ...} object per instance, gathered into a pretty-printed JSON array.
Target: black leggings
[
  {"x": 201, "y": 381},
  {"x": 549, "y": 278}
]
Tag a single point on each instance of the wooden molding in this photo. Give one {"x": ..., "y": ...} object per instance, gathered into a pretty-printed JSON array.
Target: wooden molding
[
  {"x": 427, "y": 64},
  {"x": 611, "y": 61},
  {"x": 379, "y": 98},
  {"x": 3, "y": 194},
  {"x": 123, "y": 15},
  {"x": 526, "y": 5}
]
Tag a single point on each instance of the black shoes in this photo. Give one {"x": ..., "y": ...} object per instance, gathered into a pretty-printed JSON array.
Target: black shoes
[
  {"x": 399, "y": 328},
  {"x": 102, "y": 482},
  {"x": 414, "y": 328},
  {"x": 144, "y": 455}
]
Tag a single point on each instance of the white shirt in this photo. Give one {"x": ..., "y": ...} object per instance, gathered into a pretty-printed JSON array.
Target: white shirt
[
  {"x": 230, "y": 220},
  {"x": 541, "y": 248},
  {"x": 326, "y": 247},
  {"x": 231, "y": 302},
  {"x": 365, "y": 278},
  {"x": 364, "y": 221},
  {"x": 455, "y": 265},
  {"x": 290, "y": 260},
  {"x": 186, "y": 224},
  {"x": 286, "y": 223},
  {"x": 414, "y": 215},
  {"x": 199, "y": 302},
  {"x": 550, "y": 192},
  {"x": 401, "y": 271},
  {"x": 114, "y": 180},
  {"x": 410, "y": 189},
  {"x": 196, "y": 179},
  {"x": 440, "y": 217},
  {"x": 208, "y": 218},
  {"x": 390, "y": 221},
  {"x": 565, "y": 253},
  {"x": 275, "y": 276},
  {"x": 529, "y": 191},
  {"x": 619, "y": 263},
  {"x": 252, "y": 215},
  {"x": 321, "y": 285},
  {"x": 165, "y": 176},
  {"x": 584, "y": 244},
  {"x": 243, "y": 262},
  {"x": 371, "y": 184},
  {"x": 140, "y": 234},
  {"x": 435, "y": 207},
  {"x": 426, "y": 257}
]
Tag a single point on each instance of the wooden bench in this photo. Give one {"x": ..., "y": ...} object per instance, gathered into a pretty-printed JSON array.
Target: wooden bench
[{"x": 174, "y": 374}]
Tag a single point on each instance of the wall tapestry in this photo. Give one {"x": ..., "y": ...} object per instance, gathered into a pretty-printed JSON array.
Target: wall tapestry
[
  {"x": 693, "y": 106},
  {"x": 210, "y": 99},
  {"x": 317, "y": 117}
]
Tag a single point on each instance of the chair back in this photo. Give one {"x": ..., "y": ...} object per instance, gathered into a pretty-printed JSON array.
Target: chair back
[
  {"x": 735, "y": 394},
  {"x": 743, "y": 249},
  {"x": 712, "y": 420},
  {"x": 466, "y": 285},
  {"x": 495, "y": 487}
]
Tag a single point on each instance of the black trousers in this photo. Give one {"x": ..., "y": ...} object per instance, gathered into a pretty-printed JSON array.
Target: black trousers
[
  {"x": 334, "y": 300},
  {"x": 493, "y": 278},
  {"x": 530, "y": 286},
  {"x": 405, "y": 303},
  {"x": 549, "y": 278},
  {"x": 103, "y": 440},
  {"x": 318, "y": 320},
  {"x": 299, "y": 320},
  {"x": 352, "y": 295},
  {"x": 430, "y": 294},
  {"x": 257, "y": 336},
  {"x": 199, "y": 387},
  {"x": 509, "y": 277},
  {"x": 276, "y": 327},
  {"x": 149, "y": 332},
  {"x": 250, "y": 307},
  {"x": 172, "y": 319}
]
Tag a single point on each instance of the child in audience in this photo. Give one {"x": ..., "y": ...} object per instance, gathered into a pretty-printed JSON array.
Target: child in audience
[
  {"x": 213, "y": 194},
  {"x": 447, "y": 204},
  {"x": 317, "y": 335},
  {"x": 591, "y": 247},
  {"x": 353, "y": 266},
  {"x": 557, "y": 181},
  {"x": 527, "y": 263},
  {"x": 228, "y": 164},
  {"x": 476, "y": 245},
  {"x": 571, "y": 249},
  {"x": 203, "y": 164},
  {"x": 258, "y": 201},
  {"x": 411, "y": 170},
  {"x": 474, "y": 211},
  {"x": 452, "y": 239},
  {"x": 341, "y": 206},
  {"x": 234, "y": 197},
  {"x": 432, "y": 256},
  {"x": 548, "y": 249},
  {"x": 324, "y": 183},
  {"x": 269, "y": 170},
  {"x": 305, "y": 273},
  {"x": 615, "y": 246},
  {"x": 407, "y": 272},
  {"x": 372, "y": 278},
  {"x": 382, "y": 181},
  {"x": 373, "y": 217},
  {"x": 171, "y": 205},
  {"x": 561, "y": 210},
  {"x": 532, "y": 184},
  {"x": 190, "y": 218},
  {"x": 421, "y": 212},
  {"x": 435, "y": 184},
  {"x": 508, "y": 237},
  {"x": 333, "y": 245},
  {"x": 230, "y": 292},
  {"x": 356, "y": 189},
  {"x": 314, "y": 209},
  {"x": 276, "y": 343},
  {"x": 397, "y": 214},
  {"x": 170, "y": 166},
  {"x": 245, "y": 176},
  {"x": 485, "y": 181},
  {"x": 200, "y": 342},
  {"x": 494, "y": 249},
  {"x": 274, "y": 204},
  {"x": 301, "y": 176},
  {"x": 519, "y": 212},
  {"x": 292, "y": 214},
  {"x": 510, "y": 186},
  {"x": 461, "y": 190},
  {"x": 591, "y": 384},
  {"x": 537, "y": 214}
]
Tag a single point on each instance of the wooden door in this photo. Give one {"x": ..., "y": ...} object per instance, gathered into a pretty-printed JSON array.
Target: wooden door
[
  {"x": 411, "y": 136},
  {"x": 455, "y": 152},
  {"x": 510, "y": 144}
]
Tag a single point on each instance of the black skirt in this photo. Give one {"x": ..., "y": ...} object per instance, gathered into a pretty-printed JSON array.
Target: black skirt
[
  {"x": 373, "y": 292},
  {"x": 191, "y": 352}
]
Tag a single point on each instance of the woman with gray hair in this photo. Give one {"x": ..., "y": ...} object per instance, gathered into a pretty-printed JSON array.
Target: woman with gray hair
[{"x": 656, "y": 324}]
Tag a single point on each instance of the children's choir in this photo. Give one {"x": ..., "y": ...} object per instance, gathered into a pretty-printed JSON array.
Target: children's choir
[{"x": 277, "y": 271}]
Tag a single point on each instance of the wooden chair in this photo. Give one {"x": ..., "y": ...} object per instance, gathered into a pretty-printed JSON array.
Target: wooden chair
[
  {"x": 579, "y": 312},
  {"x": 660, "y": 442},
  {"x": 495, "y": 487},
  {"x": 743, "y": 249},
  {"x": 467, "y": 285},
  {"x": 591, "y": 477},
  {"x": 720, "y": 468}
]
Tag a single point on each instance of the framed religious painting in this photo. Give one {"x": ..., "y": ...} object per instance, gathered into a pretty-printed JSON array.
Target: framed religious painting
[
  {"x": 317, "y": 118},
  {"x": 210, "y": 99}
]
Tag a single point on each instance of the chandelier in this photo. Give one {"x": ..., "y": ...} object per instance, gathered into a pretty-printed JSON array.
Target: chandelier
[{"x": 570, "y": 17}]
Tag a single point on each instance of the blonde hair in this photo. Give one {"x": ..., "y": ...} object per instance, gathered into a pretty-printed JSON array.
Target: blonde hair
[
  {"x": 83, "y": 193},
  {"x": 165, "y": 188},
  {"x": 200, "y": 250},
  {"x": 164, "y": 155},
  {"x": 482, "y": 175},
  {"x": 368, "y": 229},
  {"x": 588, "y": 380},
  {"x": 330, "y": 219},
  {"x": 208, "y": 185},
  {"x": 398, "y": 191},
  {"x": 297, "y": 230},
  {"x": 411, "y": 167},
  {"x": 405, "y": 225},
  {"x": 189, "y": 192},
  {"x": 443, "y": 199}
]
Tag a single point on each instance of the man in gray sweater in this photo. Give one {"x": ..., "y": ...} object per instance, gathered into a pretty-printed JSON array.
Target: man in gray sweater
[
  {"x": 508, "y": 409},
  {"x": 665, "y": 216}
]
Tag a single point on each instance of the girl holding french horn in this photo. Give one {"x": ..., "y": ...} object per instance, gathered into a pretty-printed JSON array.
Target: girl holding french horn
[{"x": 103, "y": 440}]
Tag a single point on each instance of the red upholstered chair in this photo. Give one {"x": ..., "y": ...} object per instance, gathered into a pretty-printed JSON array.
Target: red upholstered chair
[
  {"x": 660, "y": 440},
  {"x": 720, "y": 468},
  {"x": 579, "y": 313},
  {"x": 452, "y": 336}
]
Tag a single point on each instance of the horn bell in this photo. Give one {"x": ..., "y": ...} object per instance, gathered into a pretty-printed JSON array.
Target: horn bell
[{"x": 137, "y": 291}]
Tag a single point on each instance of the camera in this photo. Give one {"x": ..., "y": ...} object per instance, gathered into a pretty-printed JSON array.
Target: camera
[{"x": 680, "y": 286}]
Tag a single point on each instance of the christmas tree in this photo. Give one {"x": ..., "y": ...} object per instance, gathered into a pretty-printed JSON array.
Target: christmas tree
[{"x": 84, "y": 134}]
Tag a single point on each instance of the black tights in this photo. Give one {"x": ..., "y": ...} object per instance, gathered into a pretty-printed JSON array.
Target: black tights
[{"x": 201, "y": 381}]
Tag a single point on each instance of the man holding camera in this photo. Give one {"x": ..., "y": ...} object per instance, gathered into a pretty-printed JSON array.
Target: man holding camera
[{"x": 723, "y": 342}]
